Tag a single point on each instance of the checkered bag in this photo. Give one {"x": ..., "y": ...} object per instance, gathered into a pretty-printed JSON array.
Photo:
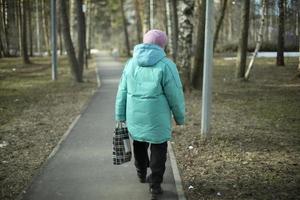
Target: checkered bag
[{"x": 121, "y": 147}]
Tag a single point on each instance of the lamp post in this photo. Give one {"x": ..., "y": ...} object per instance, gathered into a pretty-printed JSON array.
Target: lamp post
[{"x": 207, "y": 73}]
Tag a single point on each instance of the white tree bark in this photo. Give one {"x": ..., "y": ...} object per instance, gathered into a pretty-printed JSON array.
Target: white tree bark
[
  {"x": 169, "y": 25},
  {"x": 263, "y": 12},
  {"x": 185, "y": 35}
]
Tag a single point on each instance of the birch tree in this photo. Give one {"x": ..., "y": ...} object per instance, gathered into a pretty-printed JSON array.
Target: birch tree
[
  {"x": 185, "y": 26},
  {"x": 263, "y": 13}
]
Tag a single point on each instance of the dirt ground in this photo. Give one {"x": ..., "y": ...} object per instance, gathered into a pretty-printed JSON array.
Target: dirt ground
[
  {"x": 254, "y": 148},
  {"x": 35, "y": 113}
]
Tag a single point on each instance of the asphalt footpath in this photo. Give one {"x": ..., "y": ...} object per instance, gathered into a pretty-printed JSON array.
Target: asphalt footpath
[{"x": 80, "y": 167}]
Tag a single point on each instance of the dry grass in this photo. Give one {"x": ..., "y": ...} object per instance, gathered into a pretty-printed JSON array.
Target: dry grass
[
  {"x": 254, "y": 151},
  {"x": 35, "y": 112}
]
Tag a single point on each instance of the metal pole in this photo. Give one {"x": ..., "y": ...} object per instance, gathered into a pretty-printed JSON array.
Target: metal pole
[
  {"x": 207, "y": 73},
  {"x": 38, "y": 28},
  {"x": 53, "y": 39}
]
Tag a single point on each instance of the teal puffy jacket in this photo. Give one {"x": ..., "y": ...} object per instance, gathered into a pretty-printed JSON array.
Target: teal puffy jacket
[{"x": 149, "y": 92}]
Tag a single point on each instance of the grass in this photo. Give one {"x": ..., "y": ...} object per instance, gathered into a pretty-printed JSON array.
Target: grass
[
  {"x": 254, "y": 150},
  {"x": 35, "y": 112}
]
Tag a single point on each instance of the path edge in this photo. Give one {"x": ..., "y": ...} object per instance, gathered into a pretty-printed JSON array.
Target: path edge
[
  {"x": 62, "y": 139},
  {"x": 176, "y": 174}
]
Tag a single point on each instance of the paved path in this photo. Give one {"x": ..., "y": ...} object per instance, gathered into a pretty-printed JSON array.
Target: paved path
[{"x": 82, "y": 167}]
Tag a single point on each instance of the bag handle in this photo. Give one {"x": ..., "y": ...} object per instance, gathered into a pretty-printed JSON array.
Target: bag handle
[{"x": 121, "y": 124}]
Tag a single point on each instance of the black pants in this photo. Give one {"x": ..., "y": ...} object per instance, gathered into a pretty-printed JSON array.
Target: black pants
[{"x": 156, "y": 163}]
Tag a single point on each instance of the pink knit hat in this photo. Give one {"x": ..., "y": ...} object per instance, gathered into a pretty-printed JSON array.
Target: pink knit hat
[{"x": 157, "y": 37}]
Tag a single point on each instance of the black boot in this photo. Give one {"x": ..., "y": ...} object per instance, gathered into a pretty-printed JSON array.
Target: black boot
[{"x": 155, "y": 192}]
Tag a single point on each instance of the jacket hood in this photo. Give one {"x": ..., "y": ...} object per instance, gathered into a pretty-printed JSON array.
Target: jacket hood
[{"x": 148, "y": 54}]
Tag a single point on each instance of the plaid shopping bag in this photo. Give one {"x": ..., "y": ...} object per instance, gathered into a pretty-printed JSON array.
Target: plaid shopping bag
[{"x": 121, "y": 151}]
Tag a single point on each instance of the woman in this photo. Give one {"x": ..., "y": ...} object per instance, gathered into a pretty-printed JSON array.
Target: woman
[{"x": 150, "y": 91}]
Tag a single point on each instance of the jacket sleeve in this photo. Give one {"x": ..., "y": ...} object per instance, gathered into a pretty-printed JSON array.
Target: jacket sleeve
[
  {"x": 121, "y": 99},
  {"x": 173, "y": 90}
]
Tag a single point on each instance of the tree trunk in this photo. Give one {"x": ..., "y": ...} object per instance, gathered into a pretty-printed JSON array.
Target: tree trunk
[
  {"x": 243, "y": 41},
  {"x": 89, "y": 28},
  {"x": 46, "y": 28},
  {"x": 185, "y": 35},
  {"x": 38, "y": 43},
  {"x": 127, "y": 45},
  {"x": 175, "y": 27},
  {"x": 81, "y": 35},
  {"x": 138, "y": 21},
  {"x": 19, "y": 22},
  {"x": 146, "y": 21},
  {"x": 60, "y": 43},
  {"x": 30, "y": 28},
  {"x": 24, "y": 9},
  {"x": 5, "y": 25},
  {"x": 68, "y": 43},
  {"x": 219, "y": 23},
  {"x": 152, "y": 7},
  {"x": 299, "y": 31},
  {"x": 263, "y": 12},
  {"x": 73, "y": 23},
  {"x": 170, "y": 28},
  {"x": 197, "y": 76},
  {"x": 280, "y": 38}
]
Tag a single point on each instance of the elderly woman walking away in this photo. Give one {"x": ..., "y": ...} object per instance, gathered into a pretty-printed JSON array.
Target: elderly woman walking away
[{"x": 150, "y": 91}]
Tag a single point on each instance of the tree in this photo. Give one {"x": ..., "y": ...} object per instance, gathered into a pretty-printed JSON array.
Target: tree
[
  {"x": 73, "y": 23},
  {"x": 138, "y": 21},
  {"x": 299, "y": 31},
  {"x": 38, "y": 45},
  {"x": 30, "y": 29},
  {"x": 127, "y": 45},
  {"x": 59, "y": 32},
  {"x": 263, "y": 12},
  {"x": 185, "y": 35},
  {"x": 23, "y": 19},
  {"x": 74, "y": 64},
  {"x": 243, "y": 41},
  {"x": 197, "y": 75},
  {"x": 219, "y": 23},
  {"x": 81, "y": 34},
  {"x": 89, "y": 27},
  {"x": 172, "y": 27},
  {"x": 146, "y": 21},
  {"x": 45, "y": 19},
  {"x": 280, "y": 38}
]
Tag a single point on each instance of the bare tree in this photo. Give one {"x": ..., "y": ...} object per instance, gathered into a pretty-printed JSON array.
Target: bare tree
[
  {"x": 280, "y": 38},
  {"x": 298, "y": 5},
  {"x": 127, "y": 45},
  {"x": 263, "y": 12},
  {"x": 24, "y": 18},
  {"x": 30, "y": 29},
  {"x": 74, "y": 64},
  {"x": 185, "y": 35},
  {"x": 243, "y": 41},
  {"x": 146, "y": 21},
  {"x": 220, "y": 22},
  {"x": 138, "y": 21},
  {"x": 46, "y": 26},
  {"x": 197, "y": 76},
  {"x": 172, "y": 27}
]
